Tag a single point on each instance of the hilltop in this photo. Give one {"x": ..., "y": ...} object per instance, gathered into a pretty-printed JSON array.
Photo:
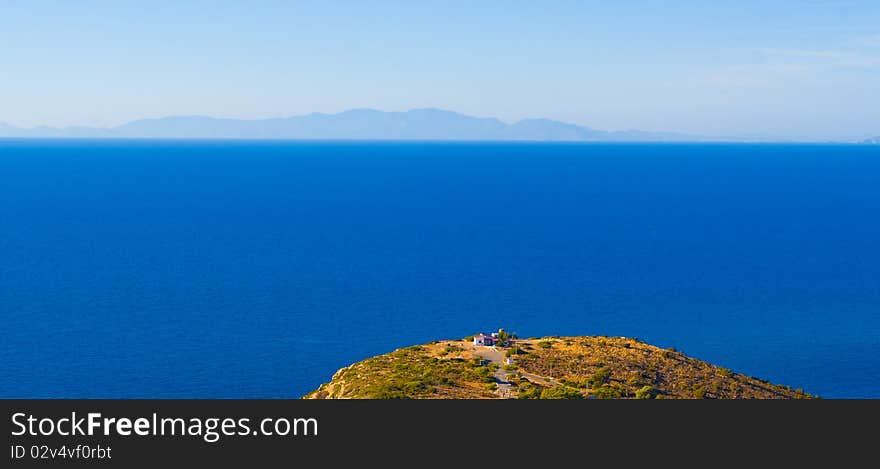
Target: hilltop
[{"x": 544, "y": 368}]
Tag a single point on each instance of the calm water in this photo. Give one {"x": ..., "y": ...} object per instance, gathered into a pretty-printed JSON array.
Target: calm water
[{"x": 209, "y": 269}]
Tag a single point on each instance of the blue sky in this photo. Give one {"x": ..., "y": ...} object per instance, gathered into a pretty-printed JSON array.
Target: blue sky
[{"x": 787, "y": 69}]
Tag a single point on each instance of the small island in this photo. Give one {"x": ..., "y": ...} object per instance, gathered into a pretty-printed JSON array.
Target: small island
[{"x": 503, "y": 366}]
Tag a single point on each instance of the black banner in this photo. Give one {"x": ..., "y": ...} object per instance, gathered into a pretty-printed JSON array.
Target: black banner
[{"x": 196, "y": 433}]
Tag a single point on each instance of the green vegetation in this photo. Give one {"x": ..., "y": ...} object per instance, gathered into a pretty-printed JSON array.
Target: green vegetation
[
  {"x": 606, "y": 392},
  {"x": 646, "y": 392},
  {"x": 580, "y": 382},
  {"x": 527, "y": 390},
  {"x": 560, "y": 392},
  {"x": 600, "y": 377}
]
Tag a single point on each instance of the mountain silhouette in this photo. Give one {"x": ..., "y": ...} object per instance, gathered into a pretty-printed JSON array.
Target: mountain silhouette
[{"x": 355, "y": 124}]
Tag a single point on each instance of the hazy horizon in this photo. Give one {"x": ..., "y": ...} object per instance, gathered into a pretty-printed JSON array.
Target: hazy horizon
[
  {"x": 806, "y": 70},
  {"x": 373, "y": 124}
]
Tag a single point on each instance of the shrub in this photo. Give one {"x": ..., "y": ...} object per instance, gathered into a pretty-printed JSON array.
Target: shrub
[
  {"x": 606, "y": 392},
  {"x": 560, "y": 392},
  {"x": 545, "y": 344},
  {"x": 734, "y": 389},
  {"x": 492, "y": 386},
  {"x": 388, "y": 394},
  {"x": 699, "y": 392},
  {"x": 646, "y": 392},
  {"x": 600, "y": 377},
  {"x": 580, "y": 382},
  {"x": 528, "y": 391}
]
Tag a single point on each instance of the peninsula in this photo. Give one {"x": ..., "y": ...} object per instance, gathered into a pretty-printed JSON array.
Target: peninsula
[{"x": 500, "y": 366}]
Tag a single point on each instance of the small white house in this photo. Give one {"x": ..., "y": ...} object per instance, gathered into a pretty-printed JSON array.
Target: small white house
[
  {"x": 508, "y": 361},
  {"x": 484, "y": 340}
]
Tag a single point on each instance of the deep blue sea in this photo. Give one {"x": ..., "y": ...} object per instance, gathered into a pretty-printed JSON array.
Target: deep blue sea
[{"x": 208, "y": 269}]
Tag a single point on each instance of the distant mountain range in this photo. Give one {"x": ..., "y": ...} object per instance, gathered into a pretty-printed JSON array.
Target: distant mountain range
[
  {"x": 367, "y": 124},
  {"x": 873, "y": 141}
]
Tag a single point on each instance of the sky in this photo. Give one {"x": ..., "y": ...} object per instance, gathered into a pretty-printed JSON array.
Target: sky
[{"x": 749, "y": 69}]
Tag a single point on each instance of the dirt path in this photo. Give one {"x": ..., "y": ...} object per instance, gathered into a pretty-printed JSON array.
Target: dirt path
[{"x": 505, "y": 390}]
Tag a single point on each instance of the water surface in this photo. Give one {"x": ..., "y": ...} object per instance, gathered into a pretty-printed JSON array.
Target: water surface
[{"x": 256, "y": 269}]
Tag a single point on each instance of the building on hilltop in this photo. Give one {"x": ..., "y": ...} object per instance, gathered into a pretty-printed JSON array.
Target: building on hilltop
[{"x": 484, "y": 340}]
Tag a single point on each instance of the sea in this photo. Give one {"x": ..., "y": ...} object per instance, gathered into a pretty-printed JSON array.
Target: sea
[{"x": 256, "y": 269}]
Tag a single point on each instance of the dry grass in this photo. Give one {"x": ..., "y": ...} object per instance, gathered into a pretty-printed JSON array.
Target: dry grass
[{"x": 633, "y": 365}]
